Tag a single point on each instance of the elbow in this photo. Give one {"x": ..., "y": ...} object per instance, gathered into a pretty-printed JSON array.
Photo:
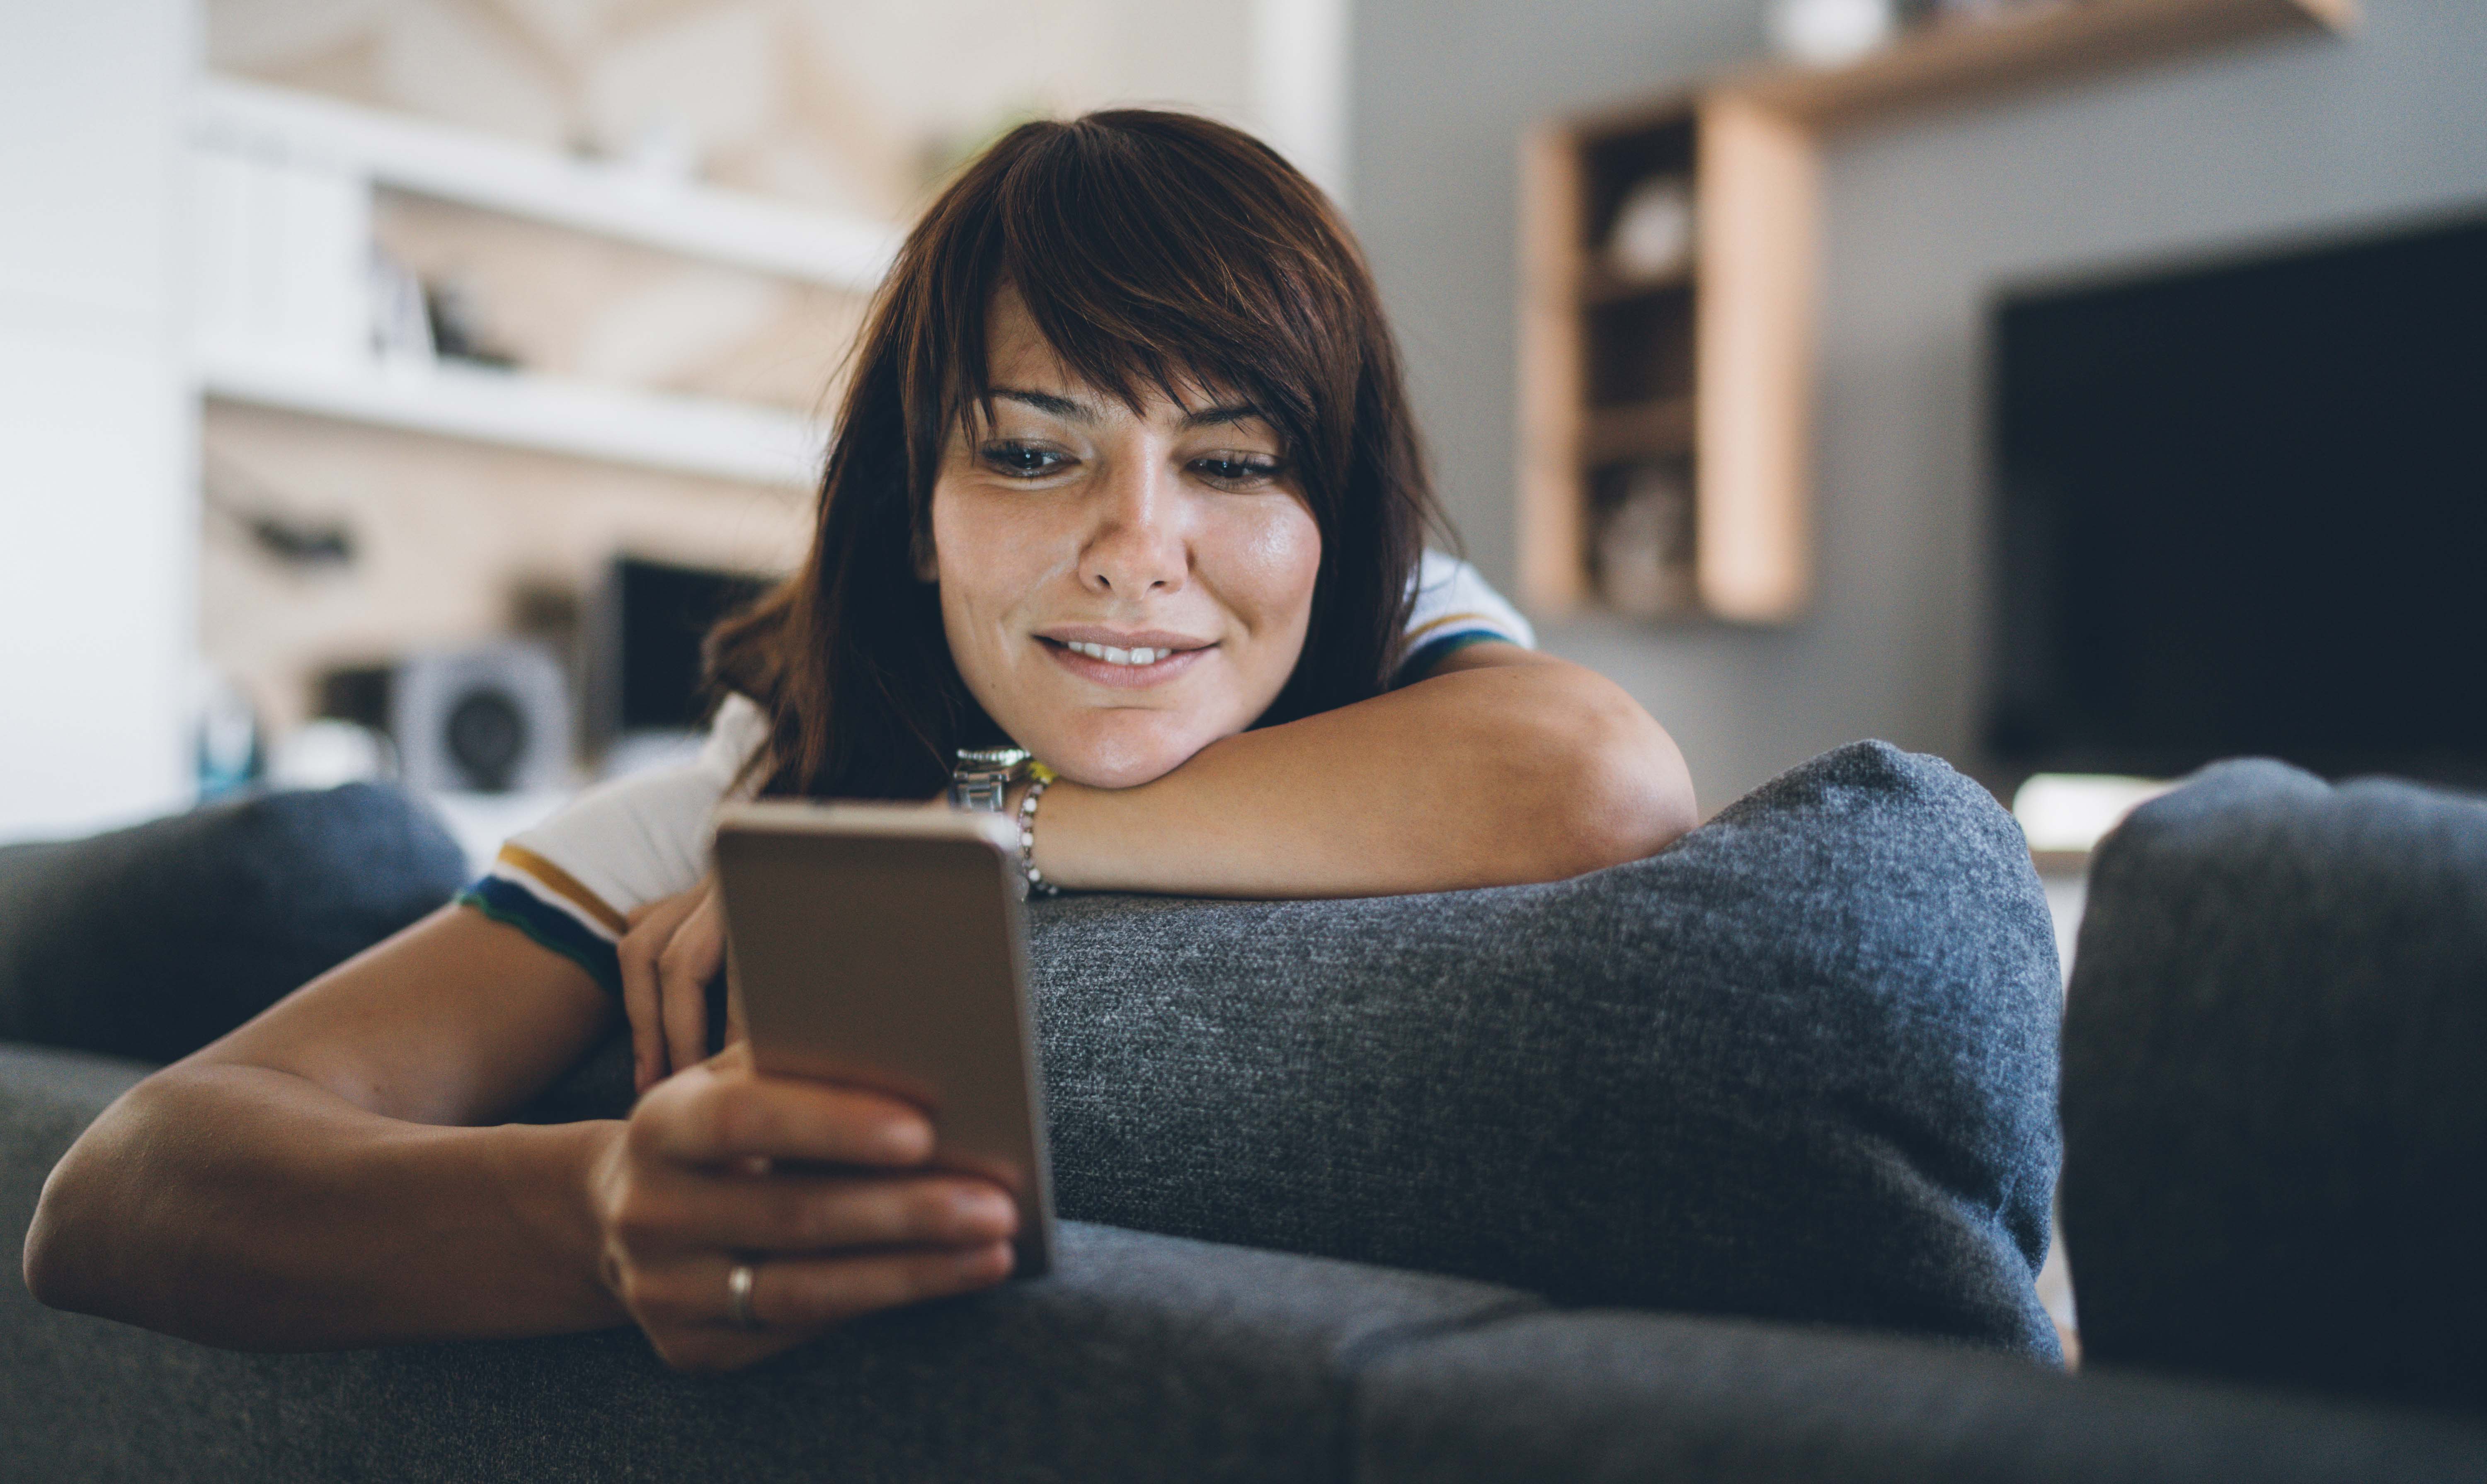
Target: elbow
[
  {"x": 83, "y": 1246},
  {"x": 1624, "y": 791},
  {"x": 54, "y": 1271}
]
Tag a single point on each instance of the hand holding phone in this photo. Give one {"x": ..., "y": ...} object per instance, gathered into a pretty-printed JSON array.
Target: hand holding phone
[
  {"x": 825, "y": 1197},
  {"x": 882, "y": 947}
]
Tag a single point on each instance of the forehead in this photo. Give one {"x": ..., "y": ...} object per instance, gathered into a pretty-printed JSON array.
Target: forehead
[{"x": 1017, "y": 356}]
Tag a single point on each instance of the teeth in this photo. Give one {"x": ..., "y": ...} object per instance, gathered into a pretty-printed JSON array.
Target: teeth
[{"x": 1112, "y": 656}]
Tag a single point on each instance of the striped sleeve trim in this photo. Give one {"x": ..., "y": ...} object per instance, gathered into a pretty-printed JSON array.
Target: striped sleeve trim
[
  {"x": 1473, "y": 619},
  {"x": 562, "y": 889},
  {"x": 506, "y": 901},
  {"x": 1422, "y": 660}
]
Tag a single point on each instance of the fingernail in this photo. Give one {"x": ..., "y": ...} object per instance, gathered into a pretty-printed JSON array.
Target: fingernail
[
  {"x": 986, "y": 1210},
  {"x": 904, "y": 1140}
]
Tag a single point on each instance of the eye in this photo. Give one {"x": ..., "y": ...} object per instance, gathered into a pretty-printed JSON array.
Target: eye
[
  {"x": 1237, "y": 471},
  {"x": 1021, "y": 461}
]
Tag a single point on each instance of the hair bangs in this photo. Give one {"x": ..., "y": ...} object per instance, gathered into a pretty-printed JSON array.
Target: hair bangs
[{"x": 1150, "y": 266}]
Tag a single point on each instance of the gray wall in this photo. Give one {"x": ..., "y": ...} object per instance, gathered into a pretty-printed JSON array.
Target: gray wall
[{"x": 1923, "y": 221}]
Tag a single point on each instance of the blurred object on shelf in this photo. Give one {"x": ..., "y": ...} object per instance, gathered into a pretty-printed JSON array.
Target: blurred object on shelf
[
  {"x": 287, "y": 539},
  {"x": 663, "y": 149},
  {"x": 1643, "y": 556},
  {"x": 1653, "y": 232},
  {"x": 1825, "y": 33},
  {"x": 456, "y": 326},
  {"x": 491, "y": 719},
  {"x": 400, "y": 317},
  {"x": 280, "y": 260},
  {"x": 327, "y": 752},
  {"x": 228, "y": 754},
  {"x": 494, "y": 718},
  {"x": 1943, "y": 12}
]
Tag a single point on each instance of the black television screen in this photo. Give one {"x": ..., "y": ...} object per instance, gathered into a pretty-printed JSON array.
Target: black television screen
[
  {"x": 2243, "y": 509},
  {"x": 662, "y": 613}
]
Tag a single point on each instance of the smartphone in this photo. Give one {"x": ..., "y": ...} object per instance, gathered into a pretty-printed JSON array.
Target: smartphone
[{"x": 884, "y": 947}]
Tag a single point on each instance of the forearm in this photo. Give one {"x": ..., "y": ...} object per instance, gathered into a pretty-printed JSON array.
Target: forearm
[
  {"x": 1480, "y": 777},
  {"x": 241, "y": 1206}
]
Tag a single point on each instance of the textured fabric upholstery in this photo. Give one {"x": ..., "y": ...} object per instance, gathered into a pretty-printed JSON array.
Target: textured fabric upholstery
[
  {"x": 152, "y": 941},
  {"x": 2274, "y": 1108},
  {"x": 1612, "y": 1396},
  {"x": 1142, "y": 1359},
  {"x": 1801, "y": 1064}
]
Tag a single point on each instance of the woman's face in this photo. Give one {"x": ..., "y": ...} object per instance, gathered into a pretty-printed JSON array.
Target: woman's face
[{"x": 1120, "y": 588}]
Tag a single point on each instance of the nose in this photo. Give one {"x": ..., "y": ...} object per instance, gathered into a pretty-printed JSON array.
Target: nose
[{"x": 1137, "y": 546}]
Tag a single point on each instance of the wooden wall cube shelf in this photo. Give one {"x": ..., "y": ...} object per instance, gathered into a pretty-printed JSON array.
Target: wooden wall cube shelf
[{"x": 1692, "y": 386}]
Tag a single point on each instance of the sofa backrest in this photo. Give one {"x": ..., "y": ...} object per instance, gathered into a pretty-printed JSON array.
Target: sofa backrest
[{"x": 2276, "y": 1087}]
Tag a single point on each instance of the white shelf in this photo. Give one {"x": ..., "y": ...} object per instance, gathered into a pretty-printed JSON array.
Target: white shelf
[
  {"x": 453, "y": 164},
  {"x": 519, "y": 410}
]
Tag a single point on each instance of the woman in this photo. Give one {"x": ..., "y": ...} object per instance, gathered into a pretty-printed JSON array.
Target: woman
[{"x": 1124, "y": 474}]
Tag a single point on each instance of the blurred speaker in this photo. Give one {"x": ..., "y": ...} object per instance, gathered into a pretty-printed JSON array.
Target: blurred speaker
[{"x": 491, "y": 719}]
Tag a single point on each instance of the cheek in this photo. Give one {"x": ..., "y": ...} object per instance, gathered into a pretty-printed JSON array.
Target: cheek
[
  {"x": 986, "y": 565},
  {"x": 1270, "y": 570}
]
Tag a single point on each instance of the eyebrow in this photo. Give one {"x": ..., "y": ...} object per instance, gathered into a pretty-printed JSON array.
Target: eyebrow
[
  {"x": 1053, "y": 405},
  {"x": 1047, "y": 403}
]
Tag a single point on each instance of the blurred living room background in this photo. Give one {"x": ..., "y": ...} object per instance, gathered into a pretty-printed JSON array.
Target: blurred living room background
[{"x": 392, "y": 387}]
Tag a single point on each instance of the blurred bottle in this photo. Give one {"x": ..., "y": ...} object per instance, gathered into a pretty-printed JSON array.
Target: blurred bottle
[
  {"x": 1825, "y": 33},
  {"x": 228, "y": 754},
  {"x": 1643, "y": 553},
  {"x": 1653, "y": 232}
]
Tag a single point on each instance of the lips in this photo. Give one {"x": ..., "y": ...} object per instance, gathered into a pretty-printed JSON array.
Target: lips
[
  {"x": 1124, "y": 660},
  {"x": 1111, "y": 655}
]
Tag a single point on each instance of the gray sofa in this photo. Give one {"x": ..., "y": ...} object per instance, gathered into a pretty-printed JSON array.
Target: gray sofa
[{"x": 1731, "y": 1165}]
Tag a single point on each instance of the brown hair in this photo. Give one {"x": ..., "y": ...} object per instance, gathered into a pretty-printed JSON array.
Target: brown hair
[{"x": 1152, "y": 250}]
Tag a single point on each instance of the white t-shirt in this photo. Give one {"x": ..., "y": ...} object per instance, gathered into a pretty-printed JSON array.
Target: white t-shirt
[{"x": 570, "y": 883}]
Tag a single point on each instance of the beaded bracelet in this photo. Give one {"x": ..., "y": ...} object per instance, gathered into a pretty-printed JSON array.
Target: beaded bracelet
[{"x": 1036, "y": 885}]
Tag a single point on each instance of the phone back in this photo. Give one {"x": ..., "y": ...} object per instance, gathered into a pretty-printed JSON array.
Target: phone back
[{"x": 884, "y": 947}]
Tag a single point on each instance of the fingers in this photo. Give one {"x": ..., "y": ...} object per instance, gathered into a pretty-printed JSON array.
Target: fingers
[
  {"x": 652, "y": 929},
  {"x": 719, "y": 1114},
  {"x": 700, "y": 1177},
  {"x": 811, "y": 1214},
  {"x": 690, "y": 958},
  {"x": 735, "y": 1033},
  {"x": 813, "y": 1293}
]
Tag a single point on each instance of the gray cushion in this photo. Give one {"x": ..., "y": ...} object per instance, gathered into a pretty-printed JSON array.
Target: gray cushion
[
  {"x": 1145, "y": 1358},
  {"x": 1800, "y": 1064},
  {"x": 1614, "y": 1396},
  {"x": 1142, "y": 1358},
  {"x": 153, "y": 941},
  {"x": 2274, "y": 1110}
]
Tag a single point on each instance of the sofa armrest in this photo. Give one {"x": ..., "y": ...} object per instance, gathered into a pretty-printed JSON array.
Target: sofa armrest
[
  {"x": 1142, "y": 1357},
  {"x": 1616, "y": 1395}
]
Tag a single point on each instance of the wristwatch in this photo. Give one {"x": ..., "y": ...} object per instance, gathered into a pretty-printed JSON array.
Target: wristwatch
[{"x": 982, "y": 775}]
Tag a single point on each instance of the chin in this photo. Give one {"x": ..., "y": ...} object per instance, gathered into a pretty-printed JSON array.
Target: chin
[{"x": 1124, "y": 756}]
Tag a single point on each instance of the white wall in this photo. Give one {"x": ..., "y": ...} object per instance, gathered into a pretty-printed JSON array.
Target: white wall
[
  {"x": 98, "y": 530},
  {"x": 1923, "y": 221}
]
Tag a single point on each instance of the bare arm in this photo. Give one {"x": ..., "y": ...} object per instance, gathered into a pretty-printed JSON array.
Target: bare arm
[
  {"x": 300, "y": 1183},
  {"x": 311, "y": 1179},
  {"x": 1503, "y": 766}
]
